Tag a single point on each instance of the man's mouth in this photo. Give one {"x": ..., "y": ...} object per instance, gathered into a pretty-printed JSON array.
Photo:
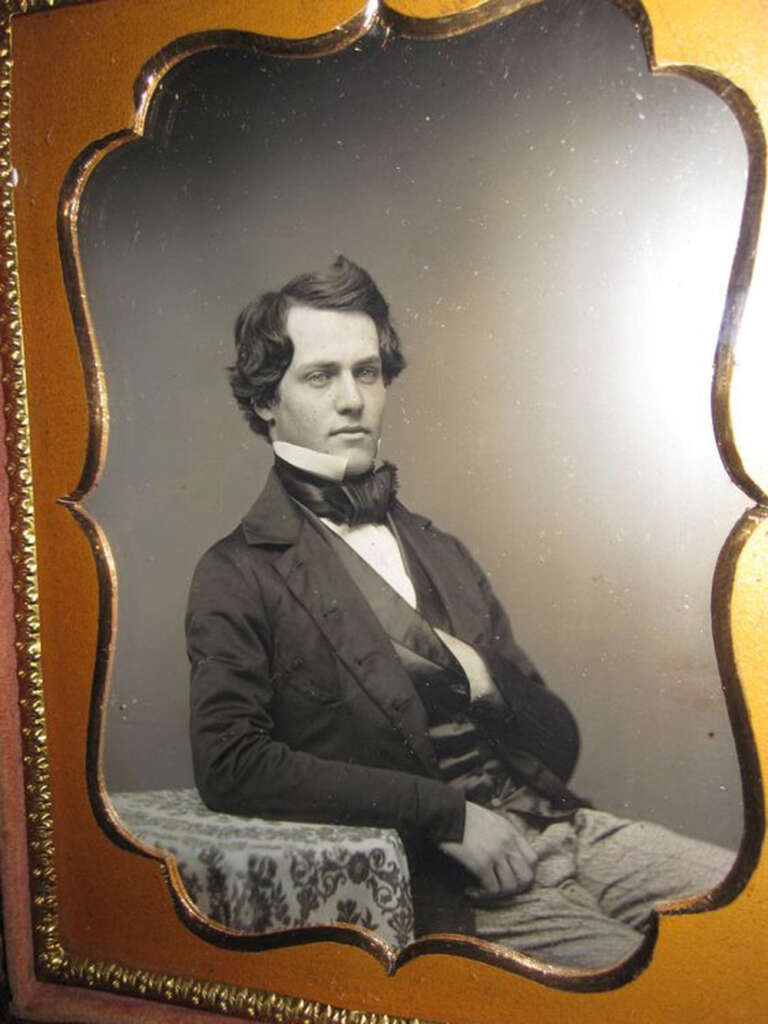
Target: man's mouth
[{"x": 354, "y": 431}]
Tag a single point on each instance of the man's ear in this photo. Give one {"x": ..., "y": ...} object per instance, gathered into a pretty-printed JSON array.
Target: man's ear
[{"x": 264, "y": 412}]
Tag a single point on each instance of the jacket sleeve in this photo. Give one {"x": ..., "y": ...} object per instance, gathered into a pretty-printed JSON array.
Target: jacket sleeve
[
  {"x": 240, "y": 766},
  {"x": 534, "y": 720}
]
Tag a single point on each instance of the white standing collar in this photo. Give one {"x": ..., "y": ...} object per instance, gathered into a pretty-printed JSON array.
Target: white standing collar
[{"x": 332, "y": 467}]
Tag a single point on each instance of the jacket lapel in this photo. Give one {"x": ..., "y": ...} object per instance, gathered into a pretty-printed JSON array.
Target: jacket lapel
[
  {"x": 463, "y": 603},
  {"x": 397, "y": 618},
  {"x": 318, "y": 581}
]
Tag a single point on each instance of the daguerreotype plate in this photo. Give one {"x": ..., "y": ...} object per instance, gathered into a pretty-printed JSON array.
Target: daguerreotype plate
[{"x": 561, "y": 202}]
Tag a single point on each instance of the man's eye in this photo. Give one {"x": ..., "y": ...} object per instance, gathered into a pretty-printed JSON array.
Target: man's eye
[
  {"x": 369, "y": 373},
  {"x": 318, "y": 378}
]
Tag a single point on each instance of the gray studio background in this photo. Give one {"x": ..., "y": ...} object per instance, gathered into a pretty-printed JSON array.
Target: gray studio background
[{"x": 554, "y": 229}]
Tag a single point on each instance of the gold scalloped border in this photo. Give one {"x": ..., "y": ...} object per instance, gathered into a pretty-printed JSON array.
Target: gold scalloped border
[
  {"x": 53, "y": 961},
  {"x": 148, "y": 81}
]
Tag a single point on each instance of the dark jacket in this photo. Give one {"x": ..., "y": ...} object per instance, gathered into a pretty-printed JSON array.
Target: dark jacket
[{"x": 300, "y": 707}]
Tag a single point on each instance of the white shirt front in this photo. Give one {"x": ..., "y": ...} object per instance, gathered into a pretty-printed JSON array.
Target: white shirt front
[
  {"x": 376, "y": 544},
  {"x": 373, "y": 542}
]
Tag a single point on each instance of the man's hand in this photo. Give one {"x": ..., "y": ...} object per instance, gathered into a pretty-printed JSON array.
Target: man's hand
[
  {"x": 481, "y": 685},
  {"x": 495, "y": 850}
]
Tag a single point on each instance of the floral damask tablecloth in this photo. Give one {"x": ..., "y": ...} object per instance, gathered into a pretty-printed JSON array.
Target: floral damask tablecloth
[{"x": 265, "y": 876}]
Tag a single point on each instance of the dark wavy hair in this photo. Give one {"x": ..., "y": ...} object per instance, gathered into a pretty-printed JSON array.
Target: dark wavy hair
[{"x": 264, "y": 350}]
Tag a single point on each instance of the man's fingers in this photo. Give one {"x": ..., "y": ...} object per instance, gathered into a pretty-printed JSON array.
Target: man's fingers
[
  {"x": 489, "y": 880},
  {"x": 521, "y": 869},
  {"x": 513, "y": 871},
  {"x": 522, "y": 847},
  {"x": 495, "y": 850},
  {"x": 514, "y": 863},
  {"x": 506, "y": 874}
]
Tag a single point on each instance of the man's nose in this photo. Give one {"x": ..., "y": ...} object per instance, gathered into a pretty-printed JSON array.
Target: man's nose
[{"x": 349, "y": 397}]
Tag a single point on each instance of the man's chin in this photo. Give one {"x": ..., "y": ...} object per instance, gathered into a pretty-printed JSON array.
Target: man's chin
[{"x": 358, "y": 462}]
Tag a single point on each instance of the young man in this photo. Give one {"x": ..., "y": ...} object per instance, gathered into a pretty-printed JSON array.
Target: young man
[{"x": 351, "y": 664}]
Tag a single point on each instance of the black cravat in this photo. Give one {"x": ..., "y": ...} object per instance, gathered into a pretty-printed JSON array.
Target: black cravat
[{"x": 360, "y": 499}]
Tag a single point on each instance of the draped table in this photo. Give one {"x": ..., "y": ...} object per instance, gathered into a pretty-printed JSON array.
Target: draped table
[{"x": 260, "y": 876}]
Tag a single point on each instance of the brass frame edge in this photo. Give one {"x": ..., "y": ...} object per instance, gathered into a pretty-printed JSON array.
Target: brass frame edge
[
  {"x": 148, "y": 81},
  {"x": 749, "y": 764},
  {"x": 53, "y": 961}
]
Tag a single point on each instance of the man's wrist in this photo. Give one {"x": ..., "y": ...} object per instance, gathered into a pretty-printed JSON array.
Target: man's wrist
[{"x": 442, "y": 810}]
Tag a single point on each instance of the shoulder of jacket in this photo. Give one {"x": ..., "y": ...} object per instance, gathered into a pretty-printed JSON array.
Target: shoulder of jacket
[
  {"x": 426, "y": 526},
  {"x": 232, "y": 550}
]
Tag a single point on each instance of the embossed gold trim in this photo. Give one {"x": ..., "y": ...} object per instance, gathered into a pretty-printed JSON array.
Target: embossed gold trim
[
  {"x": 14, "y": 7},
  {"x": 24, "y": 556},
  {"x": 53, "y": 961},
  {"x": 266, "y": 1007}
]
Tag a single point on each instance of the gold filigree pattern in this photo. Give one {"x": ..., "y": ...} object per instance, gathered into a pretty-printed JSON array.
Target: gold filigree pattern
[
  {"x": 14, "y": 7},
  {"x": 213, "y": 996},
  {"x": 23, "y": 556}
]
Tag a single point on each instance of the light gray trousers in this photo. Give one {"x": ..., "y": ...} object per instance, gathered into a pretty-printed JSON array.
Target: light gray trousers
[{"x": 597, "y": 879}]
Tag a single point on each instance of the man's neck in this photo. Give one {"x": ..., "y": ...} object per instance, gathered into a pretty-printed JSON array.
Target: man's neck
[{"x": 305, "y": 475}]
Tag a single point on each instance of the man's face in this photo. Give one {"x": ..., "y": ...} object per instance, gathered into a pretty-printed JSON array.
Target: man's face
[{"x": 331, "y": 397}]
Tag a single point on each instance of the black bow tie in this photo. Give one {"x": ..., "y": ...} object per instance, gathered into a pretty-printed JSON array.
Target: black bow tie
[{"x": 360, "y": 499}]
